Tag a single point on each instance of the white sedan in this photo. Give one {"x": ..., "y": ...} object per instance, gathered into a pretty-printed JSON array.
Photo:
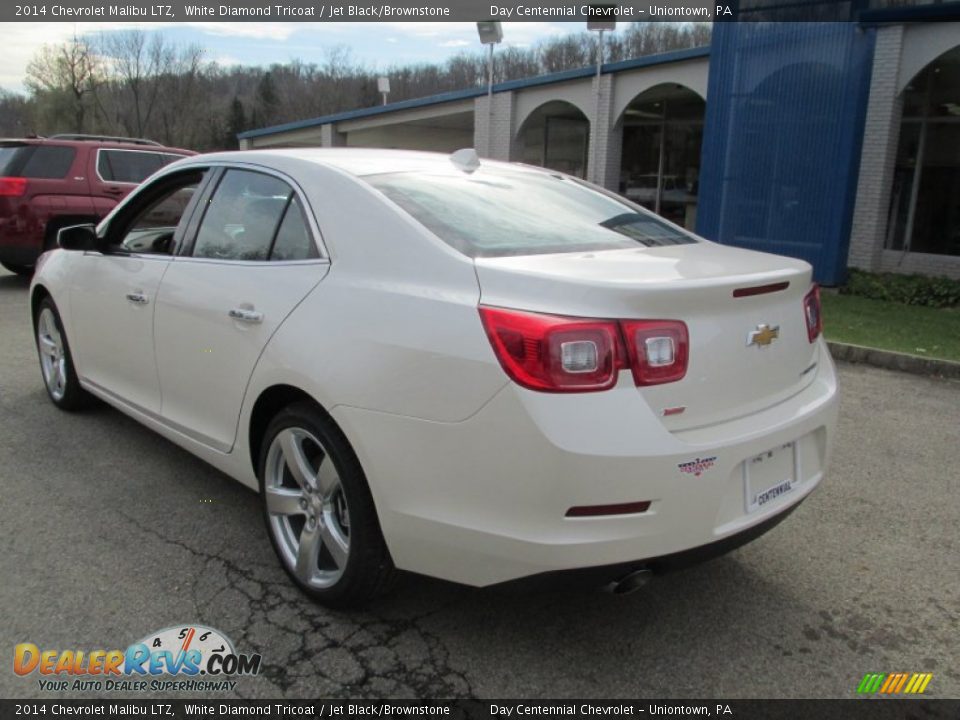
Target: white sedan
[{"x": 472, "y": 370}]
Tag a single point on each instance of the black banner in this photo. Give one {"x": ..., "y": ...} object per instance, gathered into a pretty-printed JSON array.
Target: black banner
[
  {"x": 360, "y": 10},
  {"x": 866, "y": 709}
]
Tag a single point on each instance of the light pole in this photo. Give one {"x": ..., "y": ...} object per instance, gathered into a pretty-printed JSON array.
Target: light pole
[
  {"x": 383, "y": 87},
  {"x": 600, "y": 28},
  {"x": 491, "y": 33}
]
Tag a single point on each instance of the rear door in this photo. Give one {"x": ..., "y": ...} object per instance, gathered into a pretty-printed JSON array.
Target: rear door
[
  {"x": 254, "y": 258},
  {"x": 113, "y": 294}
]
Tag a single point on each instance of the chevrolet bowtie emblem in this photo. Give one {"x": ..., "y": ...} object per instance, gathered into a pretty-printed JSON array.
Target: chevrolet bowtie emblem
[{"x": 763, "y": 335}]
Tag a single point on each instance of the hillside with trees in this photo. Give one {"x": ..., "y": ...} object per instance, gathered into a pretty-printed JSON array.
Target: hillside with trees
[{"x": 141, "y": 84}]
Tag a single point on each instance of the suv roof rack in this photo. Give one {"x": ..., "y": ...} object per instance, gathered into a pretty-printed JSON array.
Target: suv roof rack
[{"x": 105, "y": 138}]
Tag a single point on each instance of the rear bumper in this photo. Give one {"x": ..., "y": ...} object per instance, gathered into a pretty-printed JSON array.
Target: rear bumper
[
  {"x": 484, "y": 501},
  {"x": 604, "y": 574},
  {"x": 21, "y": 239}
]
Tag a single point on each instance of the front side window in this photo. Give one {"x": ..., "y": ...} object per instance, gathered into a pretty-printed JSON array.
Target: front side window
[
  {"x": 130, "y": 166},
  {"x": 498, "y": 212},
  {"x": 253, "y": 216},
  {"x": 152, "y": 228}
]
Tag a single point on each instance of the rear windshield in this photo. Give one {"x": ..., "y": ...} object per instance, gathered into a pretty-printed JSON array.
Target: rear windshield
[
  {"x": 36, "y": 161},
  {"x": 498, "y": 212}
]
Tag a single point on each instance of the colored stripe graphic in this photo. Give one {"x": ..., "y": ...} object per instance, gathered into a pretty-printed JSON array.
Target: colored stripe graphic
[
  {"x": 871, "y": 683},
  {"x": 894, "y": 683}
]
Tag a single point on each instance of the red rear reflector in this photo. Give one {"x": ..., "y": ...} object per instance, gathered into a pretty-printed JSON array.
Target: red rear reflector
[
  {"x": 12, "y": 186},
  {"x": 812, "y": 313},
  {"x": 760, "y": 289},
  {"x": 621, "y": 509}
]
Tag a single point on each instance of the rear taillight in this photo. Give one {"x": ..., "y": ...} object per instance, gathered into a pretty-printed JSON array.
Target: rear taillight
[
  {"x": 553, "y": 353},
  {"x": 658, "y": 350},
  {"x": 812, "y": 314},
  {"x": 12, "y": 186}
]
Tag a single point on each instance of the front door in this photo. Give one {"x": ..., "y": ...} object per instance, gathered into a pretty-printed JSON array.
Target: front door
[{"x": 113, "y": 294}]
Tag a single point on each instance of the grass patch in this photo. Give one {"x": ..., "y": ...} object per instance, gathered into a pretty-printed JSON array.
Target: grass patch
[{"x": 924, "y": 331}]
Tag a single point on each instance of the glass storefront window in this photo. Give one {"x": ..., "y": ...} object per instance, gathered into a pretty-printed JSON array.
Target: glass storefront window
[
  {"x": 556, "y": 136},
  {"x": 660, "y": 167},
  {"x": 925, "y": 198}
]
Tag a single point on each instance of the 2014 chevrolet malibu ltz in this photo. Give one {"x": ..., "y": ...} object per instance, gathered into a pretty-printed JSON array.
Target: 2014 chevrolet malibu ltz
[{"x": 473, "y": 370}]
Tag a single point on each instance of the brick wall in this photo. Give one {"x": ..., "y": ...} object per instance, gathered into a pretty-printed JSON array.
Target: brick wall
[
  {"x": 493, "y": 126},
  {"x": 880, "y": 135}
]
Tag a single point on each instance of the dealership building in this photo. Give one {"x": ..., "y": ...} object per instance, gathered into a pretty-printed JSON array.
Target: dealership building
[{"x": 835, "y": 142}]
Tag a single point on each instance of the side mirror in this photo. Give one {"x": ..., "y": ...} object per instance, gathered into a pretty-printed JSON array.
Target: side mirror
[{"x": 78, "y": 237}]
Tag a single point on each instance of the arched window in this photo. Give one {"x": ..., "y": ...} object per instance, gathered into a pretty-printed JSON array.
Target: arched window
[
  {"x": 556, "y": 135},
  {"x": 660, "y": 164},
  {"x": 925, "y": 198}
]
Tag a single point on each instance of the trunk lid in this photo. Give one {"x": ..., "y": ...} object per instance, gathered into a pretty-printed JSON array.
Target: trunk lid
[{"x": 727, "y": 375}]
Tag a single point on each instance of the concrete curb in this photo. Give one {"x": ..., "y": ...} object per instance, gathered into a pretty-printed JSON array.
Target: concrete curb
[{"x": 894, "y": 360}]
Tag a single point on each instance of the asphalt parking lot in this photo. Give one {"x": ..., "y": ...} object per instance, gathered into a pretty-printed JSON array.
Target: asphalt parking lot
[{"x": 110, "y": 532}]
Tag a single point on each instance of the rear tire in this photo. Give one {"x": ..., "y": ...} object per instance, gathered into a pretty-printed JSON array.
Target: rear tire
[
  {"x": 319, "y": 511},
  {"x": 56, "y": 361},
  {"x": 21, "y": 270}
]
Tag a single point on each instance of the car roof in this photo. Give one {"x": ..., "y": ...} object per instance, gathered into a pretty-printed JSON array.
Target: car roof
[
  {"x": 108, "y": 144},
  {"x": 355, "y": 161}
]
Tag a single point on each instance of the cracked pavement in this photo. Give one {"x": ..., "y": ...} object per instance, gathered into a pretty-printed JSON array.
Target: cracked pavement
[{"x": 110, "y": 532}]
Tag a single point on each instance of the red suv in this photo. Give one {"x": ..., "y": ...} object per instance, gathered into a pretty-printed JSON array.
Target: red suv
[{"x": 50, "y": 183}]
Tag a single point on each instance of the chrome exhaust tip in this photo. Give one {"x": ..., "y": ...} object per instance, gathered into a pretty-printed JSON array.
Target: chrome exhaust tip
[{"x": 630, "y": 583}]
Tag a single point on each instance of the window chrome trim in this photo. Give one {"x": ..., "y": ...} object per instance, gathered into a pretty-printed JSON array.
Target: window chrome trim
[
  {"x": 313, "y": 225},
  {"x": 264, "y": 263}
]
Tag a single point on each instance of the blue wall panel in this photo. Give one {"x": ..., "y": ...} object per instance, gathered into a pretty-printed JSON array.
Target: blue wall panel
[{"x": 782, "y": 140}]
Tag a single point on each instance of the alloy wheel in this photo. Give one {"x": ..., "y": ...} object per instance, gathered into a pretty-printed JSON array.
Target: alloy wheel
[
  {"x": 307, "y": 509},
  {"x": 53, "y": 360}
]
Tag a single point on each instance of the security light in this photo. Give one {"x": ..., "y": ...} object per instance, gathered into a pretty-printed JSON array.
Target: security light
[
  {"x": 602, "y": 25},
  {"x": 490, "y": 33}
]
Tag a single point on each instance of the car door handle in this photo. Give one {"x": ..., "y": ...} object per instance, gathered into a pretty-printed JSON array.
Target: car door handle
[
  {"x": 246, "y": 315},
  {"x": 113, "y": 191},
  {"x": 137, "y": 297}
]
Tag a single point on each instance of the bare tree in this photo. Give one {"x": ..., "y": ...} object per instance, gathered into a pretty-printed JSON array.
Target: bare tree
[
  {"x": 137, "y": 60},
  {"x": 67, "y": 74},
  {"x": 139, "y": 83}
]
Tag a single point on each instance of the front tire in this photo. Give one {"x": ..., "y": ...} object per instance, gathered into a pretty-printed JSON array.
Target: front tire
[
  {"x": 56, "y": 362},
  {"x": 318, "y": 510}
]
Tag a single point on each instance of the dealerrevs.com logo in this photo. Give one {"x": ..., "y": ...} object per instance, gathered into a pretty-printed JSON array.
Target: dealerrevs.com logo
[{"x": 183, "y": 658}]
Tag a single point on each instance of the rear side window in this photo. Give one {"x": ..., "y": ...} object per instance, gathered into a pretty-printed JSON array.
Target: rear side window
[
  {"x": 253, "y": 216},
  {"x": 293, "y": 238},
  {"x": 242, "y": 217},
  {"x": 36, "y": 161},
  {"x": 130, "y": 166},
  {"x": 49, "y": 161}
]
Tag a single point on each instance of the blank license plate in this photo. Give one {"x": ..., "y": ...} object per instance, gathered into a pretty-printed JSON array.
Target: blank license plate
[{"x": 769, "y": 476}]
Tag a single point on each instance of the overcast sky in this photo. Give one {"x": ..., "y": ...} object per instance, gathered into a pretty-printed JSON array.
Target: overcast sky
[{"x": 376, "y": 45}]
